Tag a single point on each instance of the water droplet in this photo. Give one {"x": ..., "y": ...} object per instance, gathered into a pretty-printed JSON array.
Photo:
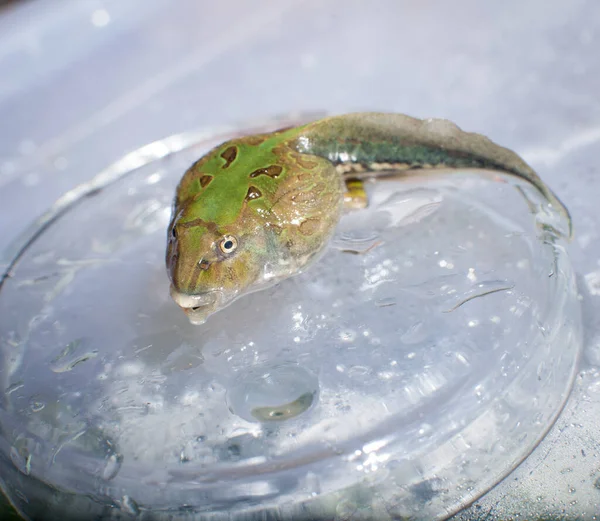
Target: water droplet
[
  {"x": 70, "y": 356},
  {"x": 358, "y": 371},
  {"x": 273, "y": 393},
  {"x": 21, "y": 458},
  {"x": 347, "y": 335},
  {"x": 129, "y": 506},
  {"x": 112, "y": 466},
  {"x": 385, "y": 302},
  {"x": 36, "y": 404},
  {"x": 415, "y": 334}
]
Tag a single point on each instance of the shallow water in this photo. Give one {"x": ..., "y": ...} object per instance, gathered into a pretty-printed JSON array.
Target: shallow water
[{"x": 407, "y": 371}]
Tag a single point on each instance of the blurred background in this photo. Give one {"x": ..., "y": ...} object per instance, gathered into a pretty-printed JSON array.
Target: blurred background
[{"x": 83, "y": 82}]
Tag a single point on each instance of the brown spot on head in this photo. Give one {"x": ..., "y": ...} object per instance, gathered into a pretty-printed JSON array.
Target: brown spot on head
[
  {"x": 204, "y": 264},
  {"x": 272, "y": 171},
  {"x": 229, "y": 155},
  {"x": 253, "y": 193},
  {"x": 205, "y": 179},
  {"x": 305, "y": 162},
  {"x": 210, "y": 226},
  {"x": 308, "y": 226},
  {"x": 254, "y": 139}
]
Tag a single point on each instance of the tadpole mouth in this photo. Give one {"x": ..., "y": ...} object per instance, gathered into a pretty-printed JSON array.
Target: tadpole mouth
[
  {"x": 199, "y": 314},
  {"x": 196, "y": 307}
]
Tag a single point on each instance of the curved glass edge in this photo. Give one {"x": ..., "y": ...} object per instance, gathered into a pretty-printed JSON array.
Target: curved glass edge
[{"x": 313, "y": 509}]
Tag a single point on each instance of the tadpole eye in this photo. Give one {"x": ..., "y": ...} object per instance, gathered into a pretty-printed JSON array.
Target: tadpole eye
[
  {"x": 228, "y": 244},
  {"x": 174, "y": 232}
]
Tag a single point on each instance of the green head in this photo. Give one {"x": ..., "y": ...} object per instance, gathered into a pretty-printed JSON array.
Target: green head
[
  {"x": 242, "y": 221},
  {"x": 210, "y": 265},
  {"x": 219, "y": 243}
]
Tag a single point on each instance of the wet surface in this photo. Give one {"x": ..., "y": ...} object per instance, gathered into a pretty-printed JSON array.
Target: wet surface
[
  {"x": 527, "y": 75},
  {"x": 430, "y": 320}
]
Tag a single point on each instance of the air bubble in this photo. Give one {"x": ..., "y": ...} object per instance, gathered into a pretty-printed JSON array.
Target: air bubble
[
  {"x": 112, "y": 466},
  {"x": 36, "y": 404}
]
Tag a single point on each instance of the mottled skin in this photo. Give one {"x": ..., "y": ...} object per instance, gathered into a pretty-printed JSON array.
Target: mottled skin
[{"x": 256, "y": 210}]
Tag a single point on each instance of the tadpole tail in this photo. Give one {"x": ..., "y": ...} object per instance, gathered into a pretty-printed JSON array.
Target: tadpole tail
[{"x": 380, "y": 142}]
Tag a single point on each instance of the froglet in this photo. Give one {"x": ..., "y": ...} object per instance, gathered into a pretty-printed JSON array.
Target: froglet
[{"x": 258, "y": 209}]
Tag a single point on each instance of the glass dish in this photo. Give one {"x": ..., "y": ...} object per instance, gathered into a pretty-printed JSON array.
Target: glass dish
[{"x": 404, "y": 374}]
